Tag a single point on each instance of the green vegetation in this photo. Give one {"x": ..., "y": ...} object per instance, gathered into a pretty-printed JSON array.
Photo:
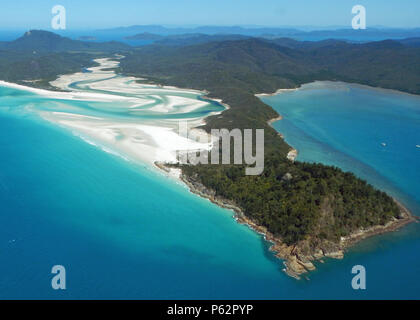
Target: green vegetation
[
  {"x": 41, "y": 56},
  {"x": 44, "y": 41},
  {"x": 295, "y": 201},
  {"x": 20, "y": 67}
]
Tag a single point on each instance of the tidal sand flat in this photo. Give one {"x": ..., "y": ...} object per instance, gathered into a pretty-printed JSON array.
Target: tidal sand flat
[{"x": 138, "y": 121}]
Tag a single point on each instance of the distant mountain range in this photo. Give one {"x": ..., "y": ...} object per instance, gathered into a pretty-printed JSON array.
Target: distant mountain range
[
  {"x": 48, "y": 42},
  {"x": 269, "y": 32},
  {"x": 186, "y": 38},
  {"x": 283, "y": 62},
  {"x": 145, "y": 36},
  {"x": 198, "y": 38},
  {"x": 295, "y": 44},
  {"x": 43, "y": 55}
]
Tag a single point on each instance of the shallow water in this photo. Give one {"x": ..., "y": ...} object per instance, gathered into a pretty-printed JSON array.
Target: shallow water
[{"x": 123, "y": 230}]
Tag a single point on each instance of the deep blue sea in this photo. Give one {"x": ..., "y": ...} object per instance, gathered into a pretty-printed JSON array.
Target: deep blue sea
[{"x": 123, "y": 230}]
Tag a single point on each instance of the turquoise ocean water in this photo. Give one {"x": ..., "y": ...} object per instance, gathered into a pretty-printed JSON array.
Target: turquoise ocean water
[{"x": 123, "y": 230}]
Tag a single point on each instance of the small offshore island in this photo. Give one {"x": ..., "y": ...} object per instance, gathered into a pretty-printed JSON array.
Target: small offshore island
[{"x": 307, "y": 210}]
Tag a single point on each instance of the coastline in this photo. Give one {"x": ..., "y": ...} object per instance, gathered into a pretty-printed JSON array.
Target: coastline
[
  {"x": 278, "y": 91},
  {"x": 297, "y": 263},
  {"x": 406, "y": 218},
  {"x": 293, "y": 153},
  {"x": 64, "y": 95},
  {"x": 337, "y": 82}
]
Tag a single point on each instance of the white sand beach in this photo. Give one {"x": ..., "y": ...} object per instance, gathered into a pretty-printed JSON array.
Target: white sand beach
[
  {"x": 275, "y": 93},
  {"x": 139, "y": 122}
]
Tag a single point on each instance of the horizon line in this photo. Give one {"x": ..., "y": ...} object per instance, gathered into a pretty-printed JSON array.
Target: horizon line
[{"x": 193, "y": 26}]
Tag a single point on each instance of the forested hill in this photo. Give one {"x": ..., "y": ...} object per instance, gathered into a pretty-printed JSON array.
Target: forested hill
[
  {"x": 45, "y": 41},
  {"x": 260, "y": 65},
  {"x": 41, "y": 56},
  {"x": 310, "y": 205},
  {"x": 38, "y": 69}
]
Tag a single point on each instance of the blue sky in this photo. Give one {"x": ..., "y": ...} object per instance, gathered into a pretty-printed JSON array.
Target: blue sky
[{"x": 82, "y": 14}]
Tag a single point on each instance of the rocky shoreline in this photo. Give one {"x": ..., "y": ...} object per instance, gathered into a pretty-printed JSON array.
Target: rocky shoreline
[{"x": 298, "y": 260}]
